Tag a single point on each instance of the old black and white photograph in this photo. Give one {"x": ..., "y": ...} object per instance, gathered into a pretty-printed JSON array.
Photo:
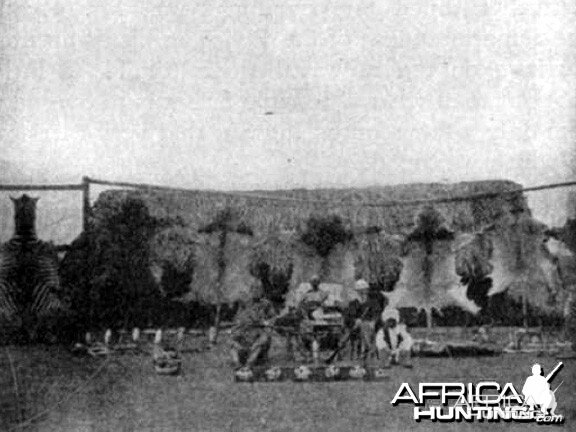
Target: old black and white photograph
[{"x": 287, "y": 215}]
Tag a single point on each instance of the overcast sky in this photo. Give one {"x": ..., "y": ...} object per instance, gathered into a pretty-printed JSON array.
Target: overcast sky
[{"x": 242, "y": 94}]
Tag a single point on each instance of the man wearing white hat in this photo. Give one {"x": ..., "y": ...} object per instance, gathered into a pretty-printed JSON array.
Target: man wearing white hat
[{"x": 393, "y": 341}]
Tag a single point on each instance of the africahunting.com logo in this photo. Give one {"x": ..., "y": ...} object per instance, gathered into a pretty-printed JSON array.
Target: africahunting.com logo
[{"x": 485, "y": 400}]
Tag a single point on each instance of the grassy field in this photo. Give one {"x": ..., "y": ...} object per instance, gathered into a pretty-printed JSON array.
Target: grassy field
[{"x": 59, "y": 392}]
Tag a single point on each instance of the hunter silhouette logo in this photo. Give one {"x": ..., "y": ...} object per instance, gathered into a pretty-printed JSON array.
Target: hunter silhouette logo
[
  {"x": 537, "y": 390},
  {"x": 485, "y": 400}
]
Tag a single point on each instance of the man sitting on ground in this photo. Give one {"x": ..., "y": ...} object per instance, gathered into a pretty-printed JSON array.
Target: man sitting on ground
[
  {"x": 393, "y": 341},
  {"x": 252, "y": 334}
]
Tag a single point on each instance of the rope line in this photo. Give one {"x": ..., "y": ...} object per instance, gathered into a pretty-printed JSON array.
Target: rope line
[
  {"x": 41, "y": 187},
  {"x": 288, "y": 200},
  {"x": 381, "y": 204}
]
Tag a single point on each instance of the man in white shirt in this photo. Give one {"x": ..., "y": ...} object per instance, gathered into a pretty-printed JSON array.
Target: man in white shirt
[
  {"x": 393, "y": 341},
  {"x": 313, "y": 300}
]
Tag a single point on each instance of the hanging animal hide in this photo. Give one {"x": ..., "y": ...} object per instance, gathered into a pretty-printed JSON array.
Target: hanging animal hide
[
  {"x": 429, "y": 280},
  {"x": 565, "y": 267},
  {"x": 562, "y": 245},
  {"x": 306, "y": 264},
  {"x": 340, "y": 265},
  {"x": 336, "y": 268},
  {"x": 522, "y": 263},
  {"x": 473, "y": 256},
  {"x": 566, "y": 260},
  {"x": 237, "y": 281},
  {"x": 377, "y": 259}
]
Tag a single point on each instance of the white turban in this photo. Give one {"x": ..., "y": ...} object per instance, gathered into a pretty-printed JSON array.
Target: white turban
[
  {"x": 390, "y": 313},
  {"x": 361, "y": 285}
]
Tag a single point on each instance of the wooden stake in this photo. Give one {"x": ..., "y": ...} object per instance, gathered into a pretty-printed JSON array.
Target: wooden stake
[{"x": 85, "y": 203}]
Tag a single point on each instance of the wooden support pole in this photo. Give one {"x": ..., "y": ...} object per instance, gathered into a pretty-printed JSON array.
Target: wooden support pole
[
  {"x": 429, "y": 321},
  {"x": 525, "y": 310},
  {"x": 85, "y": 203}
]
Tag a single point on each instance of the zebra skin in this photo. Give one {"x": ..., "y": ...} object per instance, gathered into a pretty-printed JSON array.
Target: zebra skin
[
  {"x": 29, "y": 284},
  {"x": 30, "y": 289}
]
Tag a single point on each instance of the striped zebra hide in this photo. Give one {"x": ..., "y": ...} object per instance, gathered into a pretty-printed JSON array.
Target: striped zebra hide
[
  {"x": 311, "y": 373},
  {"x": 29, "y": 284}
]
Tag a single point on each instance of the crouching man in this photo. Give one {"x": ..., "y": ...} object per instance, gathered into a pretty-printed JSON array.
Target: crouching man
[
  {"x": 252, "y": 334},
  {"x": 393, "y": 341}
]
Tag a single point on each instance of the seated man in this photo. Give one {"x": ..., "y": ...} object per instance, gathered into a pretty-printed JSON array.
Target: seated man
[
  {"x": 313, "y": 300},
  {"x": 393, "y": 341},
  {"x": 252, "y": 334}
]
